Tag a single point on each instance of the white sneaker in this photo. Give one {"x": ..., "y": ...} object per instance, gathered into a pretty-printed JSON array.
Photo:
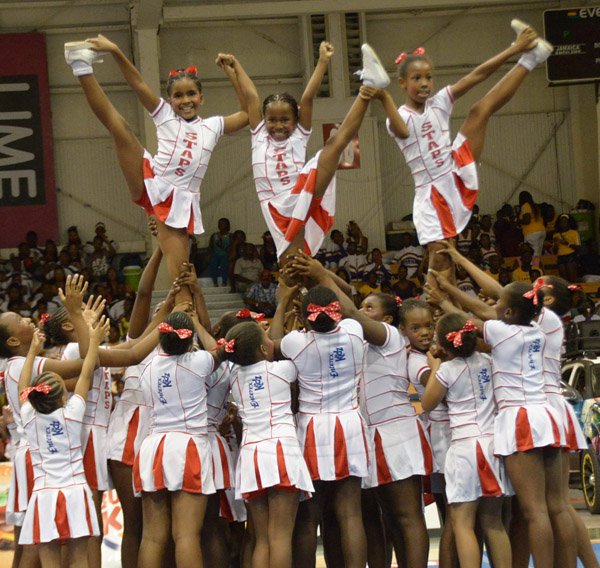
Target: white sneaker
[
  {"x": 539, "y": 53},
  {"x": 373, "y": 73},
  {"x": 82, "y": 51}
]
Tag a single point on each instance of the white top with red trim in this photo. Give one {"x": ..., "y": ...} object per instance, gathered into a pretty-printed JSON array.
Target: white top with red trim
[
  {"x": 175, "y": 387},
  {"x": 55, "y": 444},
  {"x": 11, "y": 384},
  {"x": 217, "y": 395},
  {"x": 470, "y": 396},
  {"x": 552, "y": 328},
  {"x": 262, "y": 393},
  {"x": 330, "y": 366},
  {"x": 427, "y": 149},
  {"x": 276, "y": 165},
  {"x": 386, "y": 380},
  {"x": 417, "y": 367},
  {"x": 517, "y": 363},
  {"x": 99, "y": 399}
]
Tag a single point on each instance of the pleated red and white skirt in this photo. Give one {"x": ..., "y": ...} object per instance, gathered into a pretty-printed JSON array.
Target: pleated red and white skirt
[
  {"x": 523, "y": 428},
  {"x": 574, "y": 436},
  {"x": 231, "y": 509},
  {"x": 276, "y": 462},
  {"x": 59, "y": 514},
  {"x": 21, "y": 487},
  {"x": 288, "y": 213},
  {"x": 127, "y": 429},
  {"x": 398, "y": 450},
  {"x": 443, "y": 207},
  {"x": 223, "y": 464},
  {"x": 94, "y": 443},
  {"x": 473, "y": 471},
  {"x": 175, "y": 461},
  {"x": 439, "y": 436},
  {"x": 334, "y": 445}
]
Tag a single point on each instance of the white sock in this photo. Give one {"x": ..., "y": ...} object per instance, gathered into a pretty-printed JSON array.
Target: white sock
[
  {"x": 81, "y": 68},
  {"x": 528, "y": 60}
]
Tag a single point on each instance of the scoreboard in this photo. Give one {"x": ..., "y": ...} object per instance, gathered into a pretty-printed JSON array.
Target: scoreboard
[{"x": 575, "y": 33}]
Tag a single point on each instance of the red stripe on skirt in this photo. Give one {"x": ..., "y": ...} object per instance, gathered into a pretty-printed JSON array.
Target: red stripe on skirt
[
  {"x": 61, "y": 520},
  {"x": 468, "y": 196},
  {"x": 571, "y": 436},
  {"x": 283, "y": 474},
  {"x": 280, "y": 220},
  {"x": 192, "y": 471},
  {"x": 555, "y": 431},
  {"x": 137, "y": 479},
  {"x": 426, "y": 449},
  {"x": 257, "y": 470},
  {"x": 487, "y": 477},
  {"x": 36, "y": 523},
  {"x": 132, "y": 430},
  {"x": 157, "y": 466},
  {"x": 320, "y": 215},
  {"x": 225, "y": 509},
  {"x": 443, "y": 212},
  {"x": 224, "y": 464},
  {"x": 523, "y": 431},
  {"x": 88, "y": 516},
  {"x": 310, "y": 451},
  {"x": 89, "y": 463},
  {"x": 29, "y": 474},
  {"x": 383, "y": 471},
  {"x": 340, "y": 451}
]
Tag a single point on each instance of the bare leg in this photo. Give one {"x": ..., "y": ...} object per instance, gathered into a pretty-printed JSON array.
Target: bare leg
[
  {"x": 214, "y": 539},
  {"x": 448, "y": 553},
  {"x": 304, "y": 544},
  {"x": 527, "y": 475},
  {"x": 565, "y": 545},
  {"x": 496, "y": 539},
  {"x": 156, "y": 508},
  {"x": 175, "y": 244},
  {"x": 475, "y": 124},
  {"x": 374, "y": 530},
  {"x": 78, "y": 552},
  {"x": 259, "y": 511},
  {"x": 50, "y": 554},
  {"x": 95, "y": 542},
  {"x": 283, "y": 506},
  {"x": 129, "y": 150},
  {"x": 402, "y": 500},
  {"x": 346, "y": 496},
  {"x": 518, "y": 536},
  {"x": 132, "y": 513},
  {"x": 187, "y": 518},
  {"x": 30, "y": 557},
  {"x": 463, "y": 516}
]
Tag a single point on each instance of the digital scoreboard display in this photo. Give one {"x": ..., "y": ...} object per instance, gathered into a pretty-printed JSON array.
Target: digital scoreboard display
[{"x": 575, "y": 34}]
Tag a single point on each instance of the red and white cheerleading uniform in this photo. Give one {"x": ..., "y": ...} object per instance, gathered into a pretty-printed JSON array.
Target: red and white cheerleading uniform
[
  {"x": 61, "y": 505},
  {"x": 445, "y": 173},
  {"x": 174, "y": 175},
  {"x": 331, "y": 429},
  {"x": 176, "y": 453},
  {"x": 471, "y": 469},
  {"x": 437, "y": 421},
  {"x": 270, "y": 454},
  {"x": 552, "y": 327},
  {"x": 21, "y": 480},
  {"x": 525, "y": 420},
  {"x": 130, "y": 418},
  {"x": 285, "y": 187},
  {"x": 400, "y": 446},
  {"x": 94, "y": 434}
]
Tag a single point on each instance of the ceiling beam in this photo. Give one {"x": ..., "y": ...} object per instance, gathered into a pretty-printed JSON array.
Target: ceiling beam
[{"x": 147, "y": 14}]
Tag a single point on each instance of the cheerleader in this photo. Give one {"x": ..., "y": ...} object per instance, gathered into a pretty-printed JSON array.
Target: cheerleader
[
  {"x": 329, "y": 359},
  {"x": 271, "y": 469},
  {"x": 401, "y": 453},
  {"x": 173, "y": 469},
  {"x": 61, "y": 508},
  {"x": 474, "y": 476}
]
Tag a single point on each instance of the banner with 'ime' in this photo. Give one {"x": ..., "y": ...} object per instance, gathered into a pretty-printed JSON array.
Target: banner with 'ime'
[{"x": 27, "y": 190}]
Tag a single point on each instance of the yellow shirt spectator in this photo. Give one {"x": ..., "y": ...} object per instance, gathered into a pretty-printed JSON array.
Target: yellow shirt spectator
[
  {"x": 563, "y": 242},
  {"x": 535, "y": 225}
]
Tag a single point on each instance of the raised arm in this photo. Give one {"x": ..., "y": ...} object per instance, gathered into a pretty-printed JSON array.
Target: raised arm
[
  {"x": 434, "y": 390},
  {"x": 143, "y": 299},
  {"x": 397, "y": 124},
  {"x": 312, "y": 87},
  {"x": 285, "y": 294},
  {"x": 483, "y": 71},
  {"x": 72, "y": 299},
  {"x": 35, "y": 348},
  {"x": 133, "y": 77},
  {"x": 246, "y": 92},
  {"x": 97, "y": 332},
  {"x": 188, "y": 278}
]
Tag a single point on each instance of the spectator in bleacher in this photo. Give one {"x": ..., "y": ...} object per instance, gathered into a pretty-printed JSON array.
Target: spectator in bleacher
[
  {"x": 218, "y": 247},
  {"x": 486, "y": 249},
  {"x": 332, "y": 250},
  {"x": 409, "y": 255},
  {"x": 589, "y": 263},
  {"x": 370, "y": 286},
  {"x": 523, "y": 266},
  {"x": 49, "y": 257},
  {"x": 355, "y": 235},
  {"x": 566, "y": 244},
  {"x": 49, "y": 295},
  {"x": 464, "y": 282},
  {"x": 354, "y": 263},
  {"x": 260, "y": 297},
  {"x": 505, "y": 276},
  {"x": 108, "y": 245},
  {"x": 99, "y": 260},
  {"x": 549, "y": 217},
  {"x": 247, "y": 269},
  {"x": 268, "y": 252},
  {"x": 464, "y": 240},
  {"x": 403, "y": 287},
  {"x": 587, "y": 311},
  {"x": 532, "y": 223},
  {"x": 494, "y": 267},
  {"x": 112, "y": 281},
  {"x": 31, "y": 238},
  {"x": 486, "y": 229},
  {"x": 4, "y": 281},
  {"x": 238, "y": 243},
  {"x": 73, "y": 236},
  {"x": 123, "y": 320},
  {"x": 15, "y": 301},
  {"x": 508, "y": 232},
  {"x": 379, "y": 267}
]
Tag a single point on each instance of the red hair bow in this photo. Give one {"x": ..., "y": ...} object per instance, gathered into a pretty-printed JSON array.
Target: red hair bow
[
  {"x": 537, "y": 286},
  {"x": 398, "y": 301},
  {"x": 247, "y": 314},
  {"x": 403, "y": 55},
  {"x": 192, "y": 70},
  {"x": 574, "y": 288},
  {"x": 333, "y": 310},
  {"x": 182, "y": 333},
  {"x": 456, "y": 336},
  {"x": 229, "y": 345},
  {"x": 44, "y": 318},
  {"x": 44, "y": 388}
]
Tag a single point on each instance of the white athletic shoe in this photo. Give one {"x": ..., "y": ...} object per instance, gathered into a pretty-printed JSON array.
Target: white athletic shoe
[
  {"x": 539, "y": 53},
  {"x": 80, "y": 56},
  {"x": 373, "y": 73}
]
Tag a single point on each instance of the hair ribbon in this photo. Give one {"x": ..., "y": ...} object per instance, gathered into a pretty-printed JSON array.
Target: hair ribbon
[
  {"x": 44, "y": 318},
  {"x": 182, "y": 333},
  {"x": 333, "y": 310},
  {"x": 44, "y": 388},
  {"x": 575, "y": 288},
  {"x": 456, "y": 336},
  {"x": 404, "y": 55},
  {"x": 191, "y": 70},
  {"x": 399, "y": 301},
  {"x": 537, "y": 286},
  {"x": 247, "y": 314}
]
